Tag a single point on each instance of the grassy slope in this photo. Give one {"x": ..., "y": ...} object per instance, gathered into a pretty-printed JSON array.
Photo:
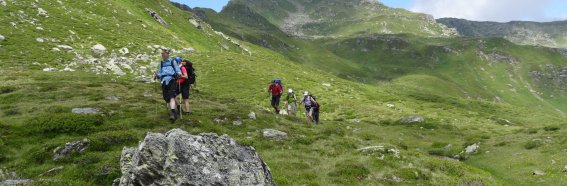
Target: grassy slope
[{"x": 227, "y": 89}]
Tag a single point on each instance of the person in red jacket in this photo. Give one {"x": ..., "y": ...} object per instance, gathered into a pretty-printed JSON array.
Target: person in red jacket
[{"x": 276, "y": 90}]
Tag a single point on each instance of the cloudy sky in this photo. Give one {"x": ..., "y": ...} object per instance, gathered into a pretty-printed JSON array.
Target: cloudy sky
[{"x": 478, "y": 10}]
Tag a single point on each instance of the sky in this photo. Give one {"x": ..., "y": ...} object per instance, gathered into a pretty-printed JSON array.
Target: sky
[{"x": 477, "y": 10}]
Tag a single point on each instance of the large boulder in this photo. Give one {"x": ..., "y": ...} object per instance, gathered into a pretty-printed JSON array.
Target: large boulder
[{"x": 179, "y": 158}]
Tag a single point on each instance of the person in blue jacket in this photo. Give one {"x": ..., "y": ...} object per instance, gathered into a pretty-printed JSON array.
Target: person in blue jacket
[{"x": 168, "y": 72}]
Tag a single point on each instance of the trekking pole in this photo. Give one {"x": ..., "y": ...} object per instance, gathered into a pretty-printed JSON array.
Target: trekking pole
[
  {"x": 155, "y": 102},
  {"x": 180, "y": 91}
]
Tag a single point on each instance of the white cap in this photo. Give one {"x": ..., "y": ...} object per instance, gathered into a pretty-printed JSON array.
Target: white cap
[
  {"x": 306, "y": 93},
  {"x": 290, "y": 91}
]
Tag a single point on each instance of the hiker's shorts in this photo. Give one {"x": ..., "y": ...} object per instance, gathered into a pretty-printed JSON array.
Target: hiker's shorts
[
  {"x": 308, "y": 111},
  {"x": 169, "y": 91},
  {"x": 184, "y": 90},
  {"x": 276, "y": 100},
  {"x": 292, "y": 107}
]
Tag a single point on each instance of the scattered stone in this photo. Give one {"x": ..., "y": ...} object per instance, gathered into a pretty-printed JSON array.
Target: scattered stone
[
  {"x": 113, "y": 98},
  {"x": 148, "y": 95},
  {"x": 39, "y": 40},
  {"x": 565, "y": 168},
  {"x": 326, "y": 84},
  {"x": 252, "y": 115},
  {"x": 124, "y": 51},
  {"x": 85, "y": 111},
  {"x": 68, "y": 69},
  {"x": 51, "y": 172},
  {"x": 98, "y": 49},
  {"x": 237, "y": 122},
  {"x": 74, "y": 147},
  {"x": 38, "y": 28},
  {"x": 42, "y": 12},
  {"x": 17, "y": 182},
  {"x": 2, "y": 38},
  {"x": 179, "y": 158},
  {"x": 3, "y": 3},
  {"x": 412, "y": 119},
  {"x": 356, "y": 120},
  {"x": 381, "y": 149},
  {"x": 49, "y": 69},
  {"x": 55, "y": 50},
  {"x": 190, "y": 49},
  {"x": 275, "y": 134},
  {"x": 65, "y": 47},
  {"x": 391, "y": 105},
  {"x": 538, "y": 173},
  {"x": 471, "y": 149}
]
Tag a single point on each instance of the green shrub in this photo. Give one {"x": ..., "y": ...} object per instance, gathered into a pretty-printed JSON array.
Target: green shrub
[
  {"x": 552, "y": 128},
  {"x": 349, "y": 172},
  {"x": 449, "y": 167},
  {"x": 50, "y": 124},
  {"x": 532, "y": 144},
  {"x": 6, "y": 90}
]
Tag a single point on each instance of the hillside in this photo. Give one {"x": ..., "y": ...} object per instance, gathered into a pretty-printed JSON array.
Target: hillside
[
  {"x": 397, "y": 109},
  {"x": 549, "y": 34}
]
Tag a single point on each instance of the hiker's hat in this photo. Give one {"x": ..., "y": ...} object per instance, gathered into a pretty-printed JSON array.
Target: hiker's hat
[
  {"x": 166, "y": 50},
  {"x": 178, "y": 59},
  {"x": 306, "y": 93},
  {"x": 290, "y": 91}
]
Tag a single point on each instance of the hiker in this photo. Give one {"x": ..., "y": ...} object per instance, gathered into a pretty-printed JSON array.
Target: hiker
[
  {"x": 184, "y": 85},
  {"x": 168, "y": 72},
  {"x": 291, "y": 102},
  {"x": 316, "y": 107},
  {"x": 310, "y": 104},
  {"x": 276, "y": 90}
]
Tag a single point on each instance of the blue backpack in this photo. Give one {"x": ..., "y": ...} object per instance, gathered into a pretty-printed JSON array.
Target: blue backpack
[{"x": 278, "y": 81}]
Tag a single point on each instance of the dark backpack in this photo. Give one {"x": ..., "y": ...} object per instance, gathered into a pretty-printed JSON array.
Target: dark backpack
[
  {"x": 279, "y": 82},
  {"x": 316, "y": 103},
  {"x": 190, "y": 73}
]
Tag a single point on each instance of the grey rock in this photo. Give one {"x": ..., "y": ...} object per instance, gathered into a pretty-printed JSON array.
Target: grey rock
[
  {"x": 86, "y": 111},
  {"x": 356, "y": 120},
  {"x": 252, "y": 115},
  {"x": 49, "y": 69},
  {"x": 124, "y": 51},
  {"x": 39, "y": 40},
  {"x": 179, "y": 158},
  {"x": 65, "y": 47},
  {"x": 237, "y": 122},
  {"x": 471, "y": 149},
  {"x": 42, "y": 12},
  {"x": 274, "y": 134},
  {"x": 3, "y": 3},
  {"x": 565, "y": 168},
  {"x": 2, "y": 38},
  {"x": 70, "y": 148},
  {"x": 51, "y": 172},
  {"x": 538, "y": 173},
  {"x": 16, "y": 182},
  {"x": 412, "y": 119},
  {"x": 98, "y": 49},
  {"x": 113, "y": 98},
  {"x": 55, "y": 50}
]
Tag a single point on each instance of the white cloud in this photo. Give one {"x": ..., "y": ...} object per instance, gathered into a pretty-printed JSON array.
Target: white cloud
[{"x": 485, "y": 10}]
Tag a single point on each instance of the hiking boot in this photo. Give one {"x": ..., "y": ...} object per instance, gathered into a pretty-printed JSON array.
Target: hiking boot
[{"x": 172, "y": 115}]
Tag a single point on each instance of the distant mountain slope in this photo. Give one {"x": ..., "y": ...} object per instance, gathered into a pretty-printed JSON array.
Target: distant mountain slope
[
  {"x": 335, "y": 18},
  {"x": 549, "y": 34}
]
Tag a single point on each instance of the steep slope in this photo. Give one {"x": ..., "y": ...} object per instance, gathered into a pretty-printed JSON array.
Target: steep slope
[
  {"x": 549, "y": 34},
  {"x": 316, "y": 18}
]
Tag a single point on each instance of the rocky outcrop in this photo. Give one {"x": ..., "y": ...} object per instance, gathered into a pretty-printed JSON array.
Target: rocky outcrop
[
  {"x": 98, "y": 49},
  {"x": 70, "y": 148},
  {"x": 179, "y": 158},
  {"x": 157, "y": 17},
  {"x": 411, "y": 119}
]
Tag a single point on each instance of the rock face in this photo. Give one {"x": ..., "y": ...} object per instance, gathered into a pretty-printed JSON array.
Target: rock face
[
  {"x": 179, "y": 158},
  {"x": 70, "y": 148}
]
